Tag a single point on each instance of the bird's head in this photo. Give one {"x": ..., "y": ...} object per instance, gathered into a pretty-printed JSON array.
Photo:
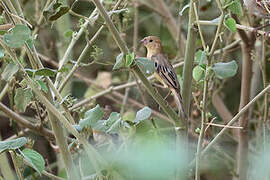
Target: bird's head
[{"x": 152, "y": 44}]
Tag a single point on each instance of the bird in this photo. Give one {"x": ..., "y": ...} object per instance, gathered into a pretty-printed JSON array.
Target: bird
[{"x": 164, "y": 71}]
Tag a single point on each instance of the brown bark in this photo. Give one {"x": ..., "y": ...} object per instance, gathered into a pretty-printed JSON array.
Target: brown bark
[{"x": 242, "y": 150}]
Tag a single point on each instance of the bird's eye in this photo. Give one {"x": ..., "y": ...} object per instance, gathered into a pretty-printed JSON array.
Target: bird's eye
[{"x": 151, "y": 40}]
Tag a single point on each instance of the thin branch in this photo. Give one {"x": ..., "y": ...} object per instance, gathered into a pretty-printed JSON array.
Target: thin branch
[
  {"x": 221, "y": 125},
  {"x": 232, "y": 121},
  {"x": 24, "y": 122}
]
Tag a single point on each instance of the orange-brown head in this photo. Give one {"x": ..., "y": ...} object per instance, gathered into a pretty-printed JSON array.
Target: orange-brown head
[{"x": 153, "y": 45}]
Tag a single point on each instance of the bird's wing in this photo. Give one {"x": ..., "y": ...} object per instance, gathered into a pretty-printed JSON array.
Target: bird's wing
[{"x": 166, "y": 71}]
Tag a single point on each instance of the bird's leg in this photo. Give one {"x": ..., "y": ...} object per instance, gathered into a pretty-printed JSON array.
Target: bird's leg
[
  {"x": 158, "y": 85},
  {"x": 165, "y": 99},
  {"x": 168, "y": 95}
]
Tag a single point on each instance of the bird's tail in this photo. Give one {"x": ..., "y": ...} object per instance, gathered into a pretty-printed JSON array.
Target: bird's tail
[{"x": 179, "y": 102}]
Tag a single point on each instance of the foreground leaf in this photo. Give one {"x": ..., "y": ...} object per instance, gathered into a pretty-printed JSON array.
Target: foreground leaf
[
  {"x": 225, "y": 70},
  {"x": 34, "y": 159},
  {"x": 92, "y": 116},
  {"x": 143, "y": 114},
  {"x": 12, "y": 144}
]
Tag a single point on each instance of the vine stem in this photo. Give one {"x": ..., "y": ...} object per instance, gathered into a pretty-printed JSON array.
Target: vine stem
[
  {"x": 205, "y": 89},
  {"x": 232, "y": 121}
]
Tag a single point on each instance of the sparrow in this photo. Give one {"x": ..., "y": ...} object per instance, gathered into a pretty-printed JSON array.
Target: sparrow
[{"x": 164, "y": 72}]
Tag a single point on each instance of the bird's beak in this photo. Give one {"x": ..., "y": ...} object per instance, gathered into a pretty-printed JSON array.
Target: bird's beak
[{"x": 143, "y": 41}]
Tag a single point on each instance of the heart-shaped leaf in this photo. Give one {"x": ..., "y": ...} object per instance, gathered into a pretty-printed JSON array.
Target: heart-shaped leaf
[{"x": 143, "y": 114}]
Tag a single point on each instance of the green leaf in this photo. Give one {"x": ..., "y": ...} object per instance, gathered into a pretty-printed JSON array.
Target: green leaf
[
  {"x": 34, "y": 159},
  {"x": 92, "y": 116},
  {"x": 9, "y": 71},
  {"x": 225, "y": 70},
  {"x": 200, "y": 57},
  {"x": 146, "y": 64},
  {"x": 22, "y": 98},
  {"x": 68, "y": 33},
  {"x": 129, "y": 59},
  {"x": 111, "y": 125},
  {"x": 41, "y": 72},
  {"x": 119, "y": 62},
  {"x": 42, "y": 86},
  {"x": 143, "y": 114},
  {"x": 236, "y": 8},
  {"x": 18, "y": 36},
  {"x": 60, "y": 12},
  {"x": 198, "y": 73},
  {"x": 12, "y": 144},
  {"x": 113, "y": 122},
  {"x": 54, "y": 11},
  {"x": 231, "y": 24}
]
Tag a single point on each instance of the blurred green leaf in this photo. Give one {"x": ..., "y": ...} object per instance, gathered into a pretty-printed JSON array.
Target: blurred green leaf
[
  {"x": 113, "y": 122},
  {"x": 41, "y": 72},
  {"x": 35, "y": 159},
  {"x": 42, "y": 86},
  {"x": 200, "y": 57},
  {"x": 236, "y": 8},
  {"x": 2, "y": 52},
  {"x": 9, "y": 71},
  {"x": 91, "y": 117},
  {"x": 22, "y": 98},
  {"x": 225, "y": 70},
  {"x": 231, "y": 24},
  {"x": 68, "y": 33},
  {"x": 146, "y": 64},
  {"x": 12, "y": 144},
  {"x": 129, "y": 59},
  {"x": 119, "y": 62},
  {"x": 198, "y": 73},
  {"x": 143, "y": 114},
  {"x": 18, "y": 36}
]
